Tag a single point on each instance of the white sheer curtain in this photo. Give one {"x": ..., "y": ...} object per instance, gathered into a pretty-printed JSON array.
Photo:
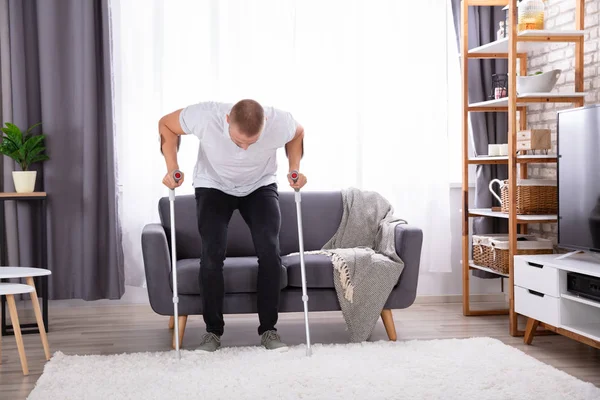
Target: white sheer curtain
[{"x": 366, "y": 78}]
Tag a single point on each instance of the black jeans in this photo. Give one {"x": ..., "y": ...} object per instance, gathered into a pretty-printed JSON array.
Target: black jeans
[{"x": 260, "y": 210}]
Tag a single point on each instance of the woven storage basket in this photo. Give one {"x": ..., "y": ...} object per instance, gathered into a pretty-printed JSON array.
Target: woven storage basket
[
  {"x": 482, "y": 249},
  {"x": 526, "y": 245},
  {"x": 534, "y": 196}
]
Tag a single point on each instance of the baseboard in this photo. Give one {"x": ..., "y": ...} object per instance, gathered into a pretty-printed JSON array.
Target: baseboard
[
  {"x": 457, "y": 298},
  {"x": 135, "y": 295}
]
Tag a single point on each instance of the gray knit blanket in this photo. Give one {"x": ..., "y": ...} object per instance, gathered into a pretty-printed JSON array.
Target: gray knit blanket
[{"x": 365, "y": 264}]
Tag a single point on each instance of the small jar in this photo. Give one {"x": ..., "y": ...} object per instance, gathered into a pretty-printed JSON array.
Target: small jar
[{"x": 531, "y": 15}]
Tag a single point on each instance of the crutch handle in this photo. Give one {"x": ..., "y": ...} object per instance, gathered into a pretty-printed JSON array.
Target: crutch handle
[
  {"x": 177, "y": 175},
  {"x": 294, "y": 176}
]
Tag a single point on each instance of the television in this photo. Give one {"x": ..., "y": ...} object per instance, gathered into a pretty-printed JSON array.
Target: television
[{"x": 578, "y": 178}]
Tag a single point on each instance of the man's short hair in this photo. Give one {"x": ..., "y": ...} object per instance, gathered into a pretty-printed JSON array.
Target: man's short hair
[{"x": 249, "y": 116}]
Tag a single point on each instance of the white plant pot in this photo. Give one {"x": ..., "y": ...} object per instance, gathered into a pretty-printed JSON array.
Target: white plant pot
[{"x": 24, "y": 181}]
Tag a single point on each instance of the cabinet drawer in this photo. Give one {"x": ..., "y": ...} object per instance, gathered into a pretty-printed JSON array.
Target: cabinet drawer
[
  {"x": 535, "y": 139},
  {"x": 537, "y": 305},
  {"x": 536, "y": 277},
  {"x": 524, "y": 135}
]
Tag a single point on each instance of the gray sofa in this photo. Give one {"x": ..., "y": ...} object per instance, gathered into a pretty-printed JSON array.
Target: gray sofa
[{"x": 321, "y": 212}]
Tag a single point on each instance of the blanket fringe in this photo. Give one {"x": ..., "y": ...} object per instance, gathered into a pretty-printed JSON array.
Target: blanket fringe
[{"x": 339, "y": 264}]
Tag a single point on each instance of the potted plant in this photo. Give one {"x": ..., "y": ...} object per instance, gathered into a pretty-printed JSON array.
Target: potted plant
[{"x": 25, "y": 149}]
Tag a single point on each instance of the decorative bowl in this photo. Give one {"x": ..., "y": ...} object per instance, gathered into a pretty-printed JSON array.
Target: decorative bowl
[{"x": 539, "y": 83}]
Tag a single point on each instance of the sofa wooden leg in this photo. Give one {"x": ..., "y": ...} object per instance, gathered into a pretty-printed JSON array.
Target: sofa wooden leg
[
  {"x": 182, "y": 322},
  {"x": 388, "y": 322},
  {"x": 171, "y": 322}
]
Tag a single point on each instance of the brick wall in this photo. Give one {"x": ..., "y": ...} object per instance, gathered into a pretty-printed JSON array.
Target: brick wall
[{"x": 560, "y": 14}]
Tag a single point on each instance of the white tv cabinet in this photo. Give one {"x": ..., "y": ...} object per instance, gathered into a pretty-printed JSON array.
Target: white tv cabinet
[{"x": 541, "y": 295}]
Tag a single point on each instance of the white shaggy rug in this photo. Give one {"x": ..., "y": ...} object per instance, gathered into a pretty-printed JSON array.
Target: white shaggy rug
[{"x": 477, "y": 368}]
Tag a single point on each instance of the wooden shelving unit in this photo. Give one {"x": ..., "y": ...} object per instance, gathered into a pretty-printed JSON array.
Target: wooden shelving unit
[{"x": 516, "y": 46}]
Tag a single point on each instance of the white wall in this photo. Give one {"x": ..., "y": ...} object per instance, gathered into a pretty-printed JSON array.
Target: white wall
[{"x": 450, "y": 284}]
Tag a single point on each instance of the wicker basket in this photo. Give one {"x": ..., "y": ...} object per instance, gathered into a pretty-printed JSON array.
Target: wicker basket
[
  {"x": 534, "y": 196},
  {"x": 492, "y": 251},
  {"x": 482, "y": 249}
]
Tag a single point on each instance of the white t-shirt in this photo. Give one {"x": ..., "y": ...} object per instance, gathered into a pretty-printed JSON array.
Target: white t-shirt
[{"x": 221, "y": 163}]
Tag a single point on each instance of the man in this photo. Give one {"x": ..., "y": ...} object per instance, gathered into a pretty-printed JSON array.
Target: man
[{"x": 236, "y": 169}]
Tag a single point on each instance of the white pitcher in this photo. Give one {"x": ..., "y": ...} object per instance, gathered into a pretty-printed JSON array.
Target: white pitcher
[
  {"x": 499, "y": 182},
  {"x": 521, "y": 182}
]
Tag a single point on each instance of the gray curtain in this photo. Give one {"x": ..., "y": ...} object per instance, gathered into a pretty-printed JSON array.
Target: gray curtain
[
  {"x": 488, "y": 128},
  {"x": 55, "y": 69}
]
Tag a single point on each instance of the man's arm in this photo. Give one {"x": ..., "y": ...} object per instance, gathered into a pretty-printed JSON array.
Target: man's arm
[
  {"x": 294, "y": 149},
  {"x": 170, "y": 131}
]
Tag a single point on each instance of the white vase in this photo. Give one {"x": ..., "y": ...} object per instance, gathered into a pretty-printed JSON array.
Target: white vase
[{"x": 24, "y": 181}]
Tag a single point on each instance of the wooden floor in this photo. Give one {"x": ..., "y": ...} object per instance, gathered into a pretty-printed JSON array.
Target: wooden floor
[{"x": 108, "y": 329}]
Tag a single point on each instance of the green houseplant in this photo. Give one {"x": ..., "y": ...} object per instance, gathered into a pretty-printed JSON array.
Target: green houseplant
[{"x": 25, "y": 149}]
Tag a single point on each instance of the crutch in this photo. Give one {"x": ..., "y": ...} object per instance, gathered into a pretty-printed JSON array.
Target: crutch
[
  {"x": 294, "y": 176},
  {"x": 177, "y": 177}
]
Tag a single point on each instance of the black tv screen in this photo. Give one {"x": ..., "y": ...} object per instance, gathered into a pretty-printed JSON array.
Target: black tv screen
[{"x": 578, "y": 175}]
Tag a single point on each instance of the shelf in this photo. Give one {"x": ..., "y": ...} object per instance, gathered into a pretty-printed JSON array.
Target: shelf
[
  {"x": 591, "y": 330},
  {"x": 581, "y": 300},
  {"x": 521, "y": 219},
  {"x": 472, "y": 265},
  {"x": 526, "y": 41},
  {"x": 521, "y": 159},
  {"x": 527, "y": 98},
  {"x": 516, "y": 106}
]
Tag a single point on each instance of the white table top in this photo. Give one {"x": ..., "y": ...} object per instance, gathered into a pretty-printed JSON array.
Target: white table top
[
  {"x": 14, "y": 288},
  {"x": 22, "y": 272}
]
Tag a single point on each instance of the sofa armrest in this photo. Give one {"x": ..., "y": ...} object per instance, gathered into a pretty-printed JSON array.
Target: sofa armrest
[
  {"x": 157, "y": 266},
  {"x": 409, "y": 241}
]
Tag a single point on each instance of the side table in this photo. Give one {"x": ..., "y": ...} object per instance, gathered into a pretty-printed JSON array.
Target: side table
[
  {"x": 40, "y": 198},
  {"x": 9, "y": 290}
]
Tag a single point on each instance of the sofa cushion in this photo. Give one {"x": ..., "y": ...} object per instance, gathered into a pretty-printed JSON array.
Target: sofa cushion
[
  {"x": 239, "y": 273},
  {"x": 319, "y": 271}
]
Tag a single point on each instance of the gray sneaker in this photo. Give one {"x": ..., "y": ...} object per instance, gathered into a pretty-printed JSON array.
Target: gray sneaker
[
  {"x": 210, "y": 342},
  {"x": 272, "y": 341}
]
